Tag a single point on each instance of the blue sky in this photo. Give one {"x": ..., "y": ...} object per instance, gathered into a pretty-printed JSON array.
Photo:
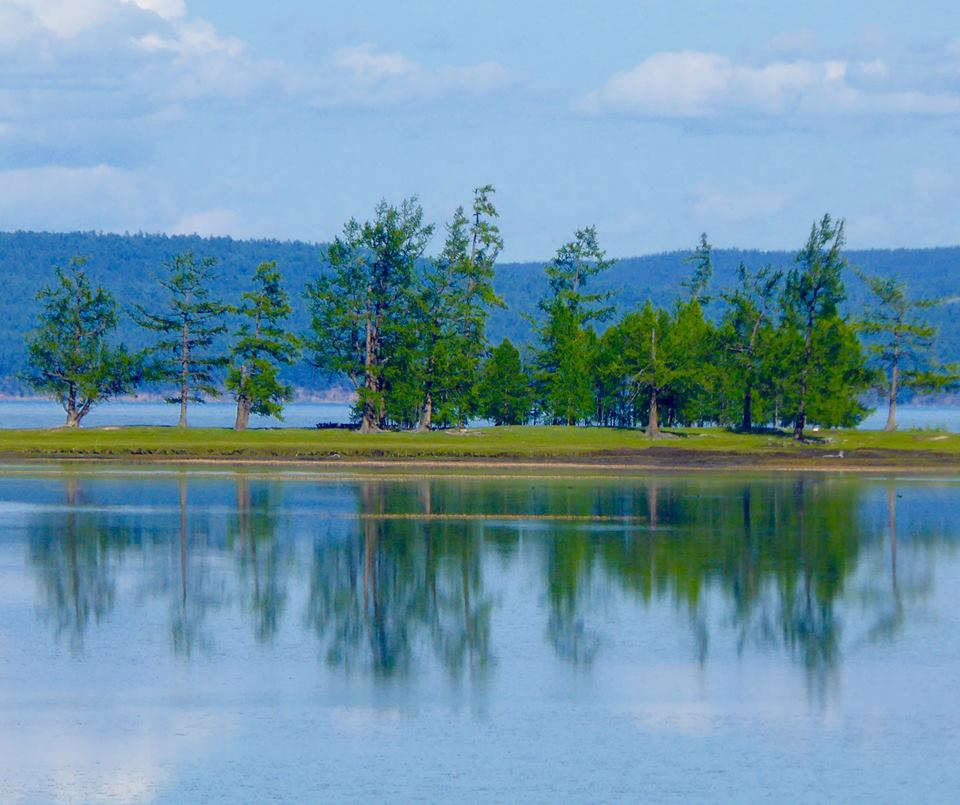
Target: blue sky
[{"x": 652, "y": 120}]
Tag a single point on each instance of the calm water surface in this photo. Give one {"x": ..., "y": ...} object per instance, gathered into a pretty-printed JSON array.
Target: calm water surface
[
  {"x": 46, "y": 414},
  {"x": 180, "y": 636}
]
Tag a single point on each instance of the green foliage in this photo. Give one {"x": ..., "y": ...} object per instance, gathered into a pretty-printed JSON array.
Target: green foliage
[
  {"x": 702, "y": 262},
  {"x": 455, "y": 295},
  {"x": 187, "y": 328},
  {"x": 68, "y": 355},
  {"x": 900, "y": 342},
  {"x": 361, "y": 324},
  {"x": 261, "y": 346},
  {"x": 746, "y": 336},
  {"x": 811, "y": 298},
  {"x": 505, "y": 395},
  {"x": 564, "y": 360}
]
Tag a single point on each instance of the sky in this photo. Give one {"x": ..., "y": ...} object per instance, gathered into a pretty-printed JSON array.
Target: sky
[{"x": 653, "y": 120}]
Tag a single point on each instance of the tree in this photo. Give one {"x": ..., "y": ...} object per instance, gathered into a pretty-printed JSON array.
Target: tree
[
  {"x": 262, "y": 345},
  {"x": 187, "y": 329},
  {"x": 504, "y": 392},
  {"x": 650, "y": 364},
  {"x": 746, "y": 331},
  {"x": 564, "y": 360},
  {"x": 360, "y": 311},
  {"x": 702, "y": 262},
  {"x": 902, "y": 343},
  {"x": 68, "y": 356},
  {"x": 456, "y": 295},
  {"x": 814, "y": 289}
]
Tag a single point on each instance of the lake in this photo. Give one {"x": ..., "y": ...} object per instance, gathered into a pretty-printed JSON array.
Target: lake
[
  {"x": 173, "y": 635},
  {"x": 46, "y": 414}
]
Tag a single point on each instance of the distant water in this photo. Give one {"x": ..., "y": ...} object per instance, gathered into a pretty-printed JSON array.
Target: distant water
[
  {"x": 42, "y": 414},
  {"x": 917, "y": 416}
]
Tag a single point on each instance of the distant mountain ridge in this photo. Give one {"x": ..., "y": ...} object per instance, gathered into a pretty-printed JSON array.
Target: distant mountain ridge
[{"x": 128, "y": 265}]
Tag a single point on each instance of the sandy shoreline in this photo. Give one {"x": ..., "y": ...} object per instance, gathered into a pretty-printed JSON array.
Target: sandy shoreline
[{"x": 548, "y": 466}]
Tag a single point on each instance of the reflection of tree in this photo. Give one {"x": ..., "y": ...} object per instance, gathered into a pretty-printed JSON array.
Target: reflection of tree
[
  {"x": 71, "y": 550},
  {"x": 375, "y": 596},
  {"x": 262, "y": 560},
  {"x": 195, "y": 594}
]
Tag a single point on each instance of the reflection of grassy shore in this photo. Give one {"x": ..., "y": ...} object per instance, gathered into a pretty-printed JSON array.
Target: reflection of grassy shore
[{"x": 596, "y": 446}]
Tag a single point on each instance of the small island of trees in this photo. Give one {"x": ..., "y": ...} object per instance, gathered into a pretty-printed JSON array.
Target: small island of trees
[{"x": 407, "y": 331}]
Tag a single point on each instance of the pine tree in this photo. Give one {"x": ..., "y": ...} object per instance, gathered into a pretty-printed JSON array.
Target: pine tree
[
  {"x": 261, "y": 346},
  {"x": 746, "y": 332},
  {"x": 902, "y": 343},
  {"x": 702, "y": 262},
  {"x": 813, "y": 292},
  {"x": 565, "y": 358},
  {"x": 68, "y": 356},
  {"x": 361, "y": 325},
  {"x": 456, "y": 295},
  {"x": 505, "y": 396},
  {"x": 187, "y": 329}
]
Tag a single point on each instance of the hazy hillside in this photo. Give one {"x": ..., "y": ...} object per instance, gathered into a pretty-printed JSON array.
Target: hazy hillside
[{"x": 128, "y": 265}]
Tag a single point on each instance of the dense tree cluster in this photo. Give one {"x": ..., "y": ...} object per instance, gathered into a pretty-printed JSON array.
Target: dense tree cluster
[{"x": 409, "y": 333}]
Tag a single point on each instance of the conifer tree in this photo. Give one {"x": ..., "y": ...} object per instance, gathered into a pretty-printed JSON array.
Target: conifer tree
[
  {"x": 564, "y": 360},
  {"x": 69, "y": 356},
  {"x": 361, "y": 323},
  {"x": 813, "y": 292},
  {"x": 902, "y": 343},
  {"x": 456, "y": 295},
  {"x": 505, "y": 395},
  {"x": 702, "y": 262},
  {"x": 261, "y": 347},
  {"x": 746, "y": 333},
  {"x": 187, "y": 330}
]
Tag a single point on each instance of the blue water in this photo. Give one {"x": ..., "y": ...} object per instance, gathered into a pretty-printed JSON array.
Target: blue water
[
  {"x": 42, "y": 414},
  {"x": 235, "y": 636}
]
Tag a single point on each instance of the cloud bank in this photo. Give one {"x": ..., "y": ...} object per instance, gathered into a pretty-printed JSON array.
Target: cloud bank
[{"x": 694, "y": 85}]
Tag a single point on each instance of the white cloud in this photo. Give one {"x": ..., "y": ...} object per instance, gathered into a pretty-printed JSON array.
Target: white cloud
[
  {"x": 209, "y": 223},
  {"x": 365, "y": 75},
  {"x": 697, "y": 85},
  {"x": 714, "y": 207},
  {"x": 168, "y": 9}
]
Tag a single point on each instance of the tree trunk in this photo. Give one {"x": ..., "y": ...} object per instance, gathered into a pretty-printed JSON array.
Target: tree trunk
[
  {"x": 894, "y": 391},
  {"x": 426, "y": 413},
  {"x": 801, "y": 421},
  {"x": 653, "y": 426},
  {"x": 747, "y": 424},
  {"x": 73, "y": 418},
  {"x": 184, "y": 375},
  {"x": 243, "y": 414}
]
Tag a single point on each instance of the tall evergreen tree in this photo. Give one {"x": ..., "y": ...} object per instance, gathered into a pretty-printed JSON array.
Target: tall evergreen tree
[
  {"x": 746, "y": 333},
  {"x": 813, "y": 292},
  {"x": 902, "y": 343},
  {"x": 655, "y": 367},
  {"x": 505, "y": 395},
  {"x": 702, "y": 262},
  {"x": 187, "y": 330},
  {"x": 564, "y": 360},
  {"x": 261, "y": 347},
  {"x": 455, "y": 298},
  {"x": 360, "y": 311},
  {"x": 69, "y": 356}
]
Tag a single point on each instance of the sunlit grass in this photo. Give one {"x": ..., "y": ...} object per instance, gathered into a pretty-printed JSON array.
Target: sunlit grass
[{"x": 539, "y": 442}]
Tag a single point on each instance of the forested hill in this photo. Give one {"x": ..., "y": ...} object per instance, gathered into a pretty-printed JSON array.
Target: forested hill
[{"x": 129, "y": 264}]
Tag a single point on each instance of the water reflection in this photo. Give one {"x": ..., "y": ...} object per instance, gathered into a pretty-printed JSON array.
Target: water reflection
[{"x": 390, "y": 576}]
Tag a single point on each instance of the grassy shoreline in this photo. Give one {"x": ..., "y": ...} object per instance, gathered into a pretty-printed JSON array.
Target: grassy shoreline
[{"x": 595, "y": 448}]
